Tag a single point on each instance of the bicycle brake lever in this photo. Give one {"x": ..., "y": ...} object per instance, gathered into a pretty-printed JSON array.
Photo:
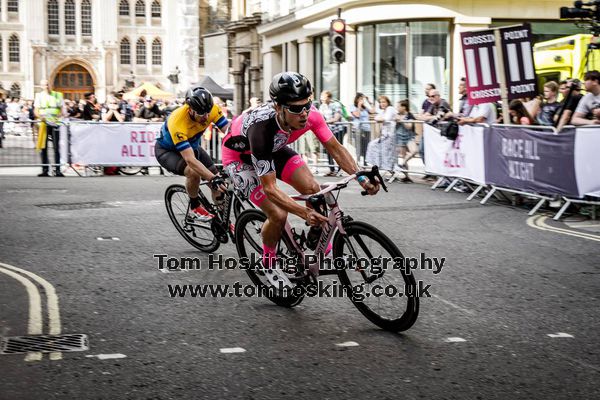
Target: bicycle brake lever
[
  {"x": 372, "y": 174},
  {"x": 378, "y": 175}
]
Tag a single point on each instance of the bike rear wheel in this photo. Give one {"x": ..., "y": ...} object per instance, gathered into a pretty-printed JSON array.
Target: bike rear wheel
[
  {"x": 386, "y": 308},
  {"x": 248, "y": 230},
  {"x": 130, "y": 170},
  {"x": 198, "y": 234},
  {"x": 240, "y": 205}
]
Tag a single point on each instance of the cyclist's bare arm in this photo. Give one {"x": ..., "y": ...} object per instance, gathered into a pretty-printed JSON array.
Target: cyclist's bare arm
[
  {"x": 341, "y": 156},
  {"x": 283, "y": 201},
  {"x": 195, "y": 165},
  {"x": 346, "y": 162}
]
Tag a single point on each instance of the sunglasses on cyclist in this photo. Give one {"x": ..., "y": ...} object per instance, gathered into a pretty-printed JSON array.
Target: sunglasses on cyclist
[
  {"x": 299, "y": 108},
  {"x": 195, "y": 115}
]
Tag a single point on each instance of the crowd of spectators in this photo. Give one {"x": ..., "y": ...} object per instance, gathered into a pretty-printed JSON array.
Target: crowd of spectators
[
  {"x": 384, "y": 131},
  {"x": 17, "y": 115},
  {"x": 560, "y": 104},
  {"x": 116, "y": 109}
]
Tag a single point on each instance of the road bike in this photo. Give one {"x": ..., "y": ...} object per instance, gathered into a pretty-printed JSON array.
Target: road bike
[
  {"x": 364, "y": 259},
  {"x": 206, "y": 236}
]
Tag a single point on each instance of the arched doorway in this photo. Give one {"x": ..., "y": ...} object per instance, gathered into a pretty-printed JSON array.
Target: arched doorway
[{"x": 73, "y": 80}]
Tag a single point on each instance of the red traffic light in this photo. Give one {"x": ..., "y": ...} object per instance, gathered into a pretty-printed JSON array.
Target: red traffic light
[
  {"x": 337, "y": 41},
  {"x": 338, "y": 25}
]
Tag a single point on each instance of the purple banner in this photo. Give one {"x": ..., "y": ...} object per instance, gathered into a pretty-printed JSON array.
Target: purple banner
[
  {"x": 479, "y": 53},
  {"x": 518, "y": 62},
  {"x": 530, "y": 160}
]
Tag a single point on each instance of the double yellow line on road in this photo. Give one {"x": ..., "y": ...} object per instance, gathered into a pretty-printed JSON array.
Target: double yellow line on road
[
  {"x": 538, "y": 222},
  {"x": 35, "y": 323}
]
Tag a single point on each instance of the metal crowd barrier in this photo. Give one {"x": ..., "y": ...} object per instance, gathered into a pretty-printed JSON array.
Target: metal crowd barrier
[
  {"x": 18, "y": 140},
  {"x": 542, "y": 197},
  {"x": 213, "y": 146},
  {"x": 19, "y": 137},
  {"x": 590, "y": 199},
  {"x": 355, "y": 137},
  {"x": 493, "y": 190}
]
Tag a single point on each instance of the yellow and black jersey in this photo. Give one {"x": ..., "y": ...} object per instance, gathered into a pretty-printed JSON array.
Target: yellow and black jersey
[{"x": 180, "y": 131}]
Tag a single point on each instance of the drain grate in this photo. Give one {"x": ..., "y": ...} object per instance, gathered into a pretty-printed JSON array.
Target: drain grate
[
  {"x": 44, "y": 343},
  {"x": 77, "y": 206}
]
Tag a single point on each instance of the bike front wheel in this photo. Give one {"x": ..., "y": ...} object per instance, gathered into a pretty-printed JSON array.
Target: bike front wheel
[
  {"x": 384, "y": 293},
  {"x": 130, "y": 170},
  {"x": 248, "y": 233},
  {"x": 198, "y": 234}
]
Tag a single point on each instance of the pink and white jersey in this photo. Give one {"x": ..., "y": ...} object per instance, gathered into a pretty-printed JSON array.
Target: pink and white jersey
[{"x": 257, "y": 134}]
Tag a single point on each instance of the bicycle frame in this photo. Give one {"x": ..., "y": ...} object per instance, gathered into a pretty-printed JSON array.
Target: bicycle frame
[
  {"x": 223, "y": 218},
  {"x": 335, "y": 216}
]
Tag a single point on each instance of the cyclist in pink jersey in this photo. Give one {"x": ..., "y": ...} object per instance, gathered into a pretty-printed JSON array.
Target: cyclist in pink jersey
[{"x": 255, "y": 153}]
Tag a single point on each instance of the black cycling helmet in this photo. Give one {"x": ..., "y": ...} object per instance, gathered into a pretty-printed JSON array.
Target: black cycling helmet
[
  {"x": 289, "y": 86},
  {"x": 199, "y": 99}
]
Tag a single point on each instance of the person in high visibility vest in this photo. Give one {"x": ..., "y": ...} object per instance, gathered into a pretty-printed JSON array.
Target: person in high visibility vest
[{"x": 48, "y": 108}]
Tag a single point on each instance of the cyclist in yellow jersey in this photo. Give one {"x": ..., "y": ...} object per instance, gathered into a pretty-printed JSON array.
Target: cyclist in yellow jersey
[{"x": 178, "y": 145}]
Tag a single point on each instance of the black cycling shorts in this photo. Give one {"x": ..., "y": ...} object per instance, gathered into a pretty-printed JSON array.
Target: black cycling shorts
[{"x": 173, "y": 162}]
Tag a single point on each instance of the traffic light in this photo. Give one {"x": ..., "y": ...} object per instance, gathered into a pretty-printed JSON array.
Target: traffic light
[{"x": 337, "y": 41}]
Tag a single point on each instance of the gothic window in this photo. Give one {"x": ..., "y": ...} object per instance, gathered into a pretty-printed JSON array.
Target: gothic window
[
  {"x": 155, "y": 9},
  {"x": 125, "y": 51},
  {"x": 124, "y": 8},
  {"x": 13, "y": 6},
  {"x": 69, "y": 17},
  {"x": 140, "y": 52},
  {"x": 53, "y": 17},
  {"x": 14, "y": 49},
  {"x": 86, "y": 18},
  {"x": 15, "y": 90},
  {"x": 140, "y": 8},
  {"x": 156, "y": 52}
]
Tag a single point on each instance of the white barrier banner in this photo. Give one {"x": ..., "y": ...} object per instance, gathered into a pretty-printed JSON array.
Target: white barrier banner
[
  {"x": 64, "y": 145},
  {"x": 587, "y": 162},
  {"x": 114, "y": 144},
  {"x": 461, "y": 158}
]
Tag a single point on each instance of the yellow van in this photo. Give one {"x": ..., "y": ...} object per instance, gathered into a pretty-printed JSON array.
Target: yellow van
[{"x": 562, "y": 58}]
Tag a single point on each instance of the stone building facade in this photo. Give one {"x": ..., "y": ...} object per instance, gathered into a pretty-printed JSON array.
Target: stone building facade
[{"x": 97, "y": 45}]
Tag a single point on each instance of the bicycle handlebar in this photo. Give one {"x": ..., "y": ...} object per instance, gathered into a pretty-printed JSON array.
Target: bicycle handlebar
[{"x": 328, "y": 187}]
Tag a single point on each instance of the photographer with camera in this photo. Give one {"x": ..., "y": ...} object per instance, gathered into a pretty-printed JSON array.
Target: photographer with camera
[
  {"x": 571, "y": 91},
  {"x": 438, "y": 109},
  {"x": 588, "y": 109},
  {"x": 110, "y": 112}
]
